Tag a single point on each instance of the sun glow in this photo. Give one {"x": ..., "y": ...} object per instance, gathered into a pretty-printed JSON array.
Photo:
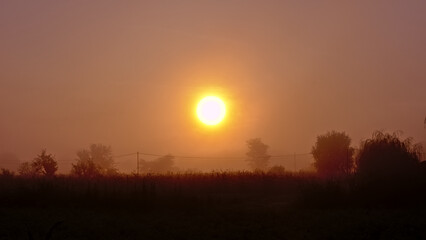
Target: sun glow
[{"x": 211, "y": 110}]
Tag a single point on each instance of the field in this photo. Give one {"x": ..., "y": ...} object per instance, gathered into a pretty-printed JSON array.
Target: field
[{"x": 219, "y": 205}]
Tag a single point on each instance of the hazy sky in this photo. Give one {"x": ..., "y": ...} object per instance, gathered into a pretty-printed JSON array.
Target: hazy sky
[{"x": 129, "y": 74}]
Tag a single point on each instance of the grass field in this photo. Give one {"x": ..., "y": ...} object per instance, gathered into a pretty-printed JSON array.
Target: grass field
[{"x": 239, "y": 205}]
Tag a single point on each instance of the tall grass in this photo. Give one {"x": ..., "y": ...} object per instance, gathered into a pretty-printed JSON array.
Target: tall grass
[{"x": 202, "y": 190}]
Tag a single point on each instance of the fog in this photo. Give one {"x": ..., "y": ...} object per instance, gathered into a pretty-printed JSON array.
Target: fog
[{"x": 129, "y": 74}]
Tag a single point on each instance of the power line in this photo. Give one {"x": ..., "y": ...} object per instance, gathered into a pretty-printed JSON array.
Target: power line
[
  {"x": 194, "y": 157},
  {"x": 206, "y": 157},
  {"x": 291, "y": 155},
  {"x": 124, "y": 155}
]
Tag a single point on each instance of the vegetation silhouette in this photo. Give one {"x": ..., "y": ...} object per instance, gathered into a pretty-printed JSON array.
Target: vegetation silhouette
[
  {"x": 4, "y": 172},
  {"x": 333, "y": 155},
  {"x": 25, "y": 169},
  {"x": 385, "y": 156},
  {"x": 95, "y": 161},
  {"x": 277, "y": 170},
  {"x": 43, "y": 165},
  {"x": 258, "y": 203},
  {"x": 257, "y": 156},
  {"x": 161, "y": 165},
  {"x": 389, "y": 171}
]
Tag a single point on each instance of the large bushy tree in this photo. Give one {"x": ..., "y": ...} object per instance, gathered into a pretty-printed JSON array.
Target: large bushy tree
[
  {"x": 333, "y": 154},
  {"x": 386, "y": 156},
  {"x": 95, "y": 161},
  {"x": 257, "y": 156}
]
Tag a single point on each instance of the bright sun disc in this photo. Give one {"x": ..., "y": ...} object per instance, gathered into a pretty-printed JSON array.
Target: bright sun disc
[{"x": 211, "y": 110}]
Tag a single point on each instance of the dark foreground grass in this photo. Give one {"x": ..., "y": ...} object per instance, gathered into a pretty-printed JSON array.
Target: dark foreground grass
[
  {"x": 203, "y": 206},
  {"x": 218, "y": 223}
]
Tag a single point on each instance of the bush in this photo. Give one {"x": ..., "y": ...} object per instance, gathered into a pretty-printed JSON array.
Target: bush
[
  {"x": 385, "y": 156},
  {"x": 332, "y": 154}
]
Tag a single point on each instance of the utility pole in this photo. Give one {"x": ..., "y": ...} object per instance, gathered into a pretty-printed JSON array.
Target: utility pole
[{"x": 137, "y": 163}]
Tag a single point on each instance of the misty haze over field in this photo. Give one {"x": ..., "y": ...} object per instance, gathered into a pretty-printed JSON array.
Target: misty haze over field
[{"x": 129, "y": 75}]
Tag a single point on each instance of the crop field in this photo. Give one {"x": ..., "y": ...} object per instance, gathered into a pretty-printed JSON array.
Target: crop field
[{"x": 222, "y": 205}]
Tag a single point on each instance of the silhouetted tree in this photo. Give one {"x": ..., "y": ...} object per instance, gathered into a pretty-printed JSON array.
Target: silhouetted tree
[
  {"x": 161, "y": 165},
  {"x": 258, "y": 157},
  {"x": 97, "y": 160},
  {"x": 44, "y": 164},
  {"x": 332, "y": 154},
  {"x": 85, "y": 168},
  {"x": 385, "y": 156}
]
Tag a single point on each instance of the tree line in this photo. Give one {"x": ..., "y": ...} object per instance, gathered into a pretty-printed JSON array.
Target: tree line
[
  {"x": 95, "y": 161},
  {"x": 384, "y": 155}
]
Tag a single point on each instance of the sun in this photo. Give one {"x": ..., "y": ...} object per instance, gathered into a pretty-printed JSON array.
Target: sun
[{"x": 211, "y": 110}]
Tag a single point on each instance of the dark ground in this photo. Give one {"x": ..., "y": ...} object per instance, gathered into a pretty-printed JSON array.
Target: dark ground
[
  {"x": 223, "y": 223},
  {"x": 218, "y": 206}
]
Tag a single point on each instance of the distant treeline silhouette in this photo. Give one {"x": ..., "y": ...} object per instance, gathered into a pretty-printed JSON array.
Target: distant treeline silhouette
[{"x": 382, "y": 156}]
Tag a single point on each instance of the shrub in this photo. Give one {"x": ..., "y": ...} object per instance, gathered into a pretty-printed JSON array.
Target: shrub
[
  {"x": 385, "y": 156},
  {"x": 332, "y": 154}
]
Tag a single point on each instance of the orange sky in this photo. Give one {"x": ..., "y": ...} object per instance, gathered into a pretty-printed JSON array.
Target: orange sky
[{"x": 128, "y": 74}]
